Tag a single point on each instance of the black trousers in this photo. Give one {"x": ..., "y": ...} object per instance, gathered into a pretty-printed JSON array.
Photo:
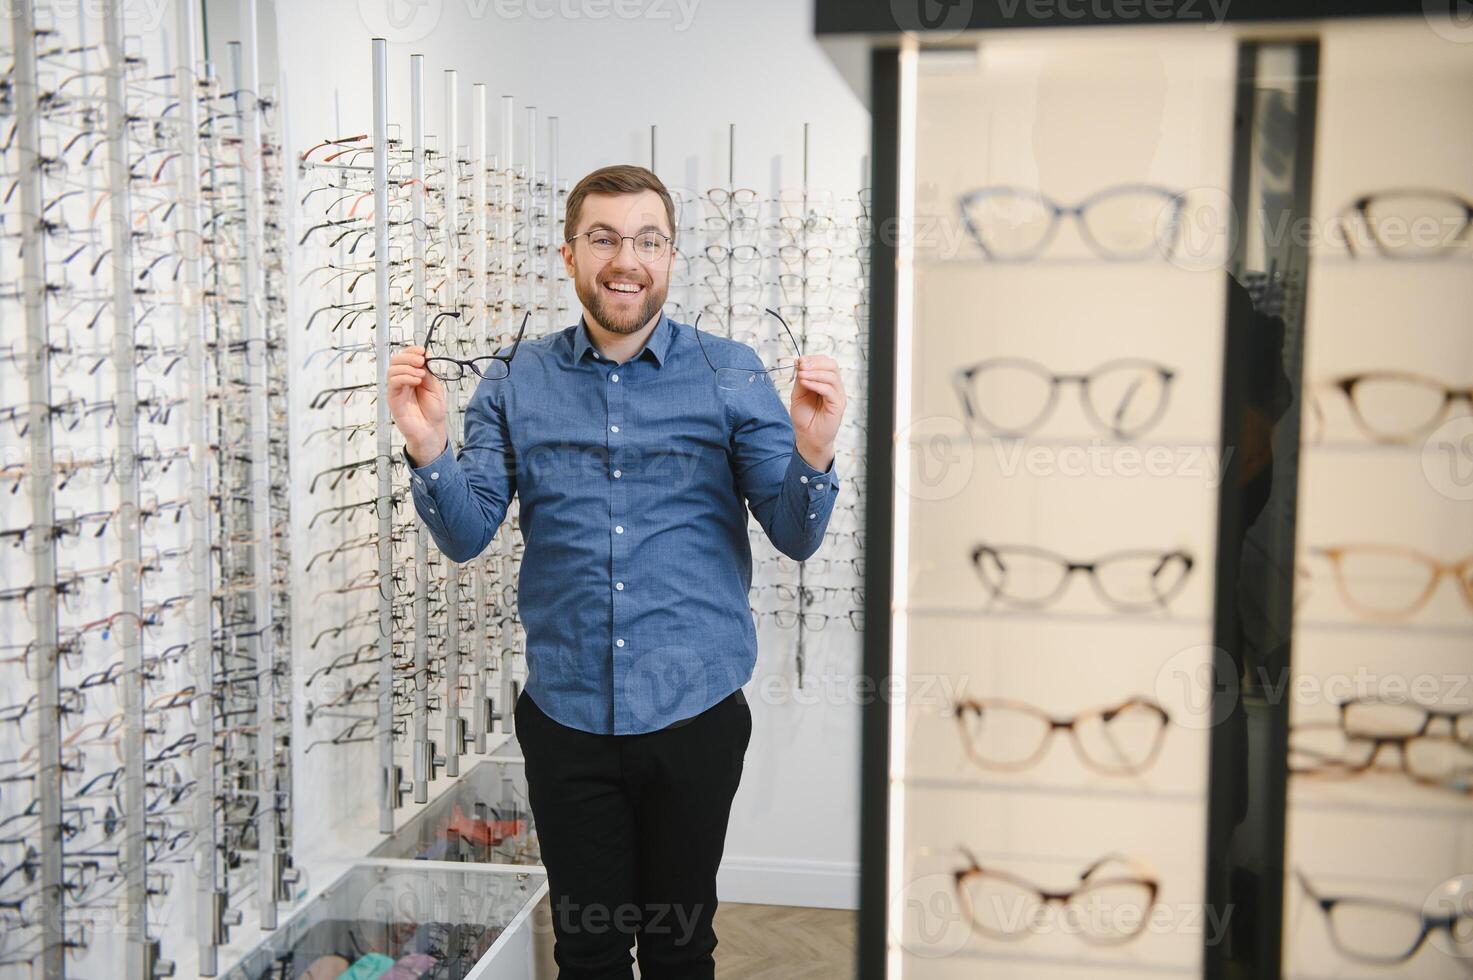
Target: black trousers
[{"x": 631, "y": 829}]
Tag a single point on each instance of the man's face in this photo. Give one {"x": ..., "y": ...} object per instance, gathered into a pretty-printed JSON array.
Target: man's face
[{"x": 622, "y": 294}]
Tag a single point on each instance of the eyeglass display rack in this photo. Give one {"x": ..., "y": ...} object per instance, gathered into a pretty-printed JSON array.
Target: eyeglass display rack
[
  {"x": 804, "y": 253},
  {"x": 452, "y": 231},
  {"x": 1304, "y": 828},
  {"x": 149, "y": 728}
]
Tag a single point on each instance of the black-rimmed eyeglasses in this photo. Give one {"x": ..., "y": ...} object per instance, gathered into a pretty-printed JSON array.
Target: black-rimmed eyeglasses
[{"x": 492, "y": 367}]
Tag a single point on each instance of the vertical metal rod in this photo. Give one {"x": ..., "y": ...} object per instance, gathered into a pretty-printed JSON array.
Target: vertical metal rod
[
  {"x": 452, "y": 412},
  {"x": 208, "y": 897},
  {"x": 531, "y": 211},
  {"x": 422, "y": 761},
  {"x": 134, "y": 905},
  {"x": 652, "y": 149},
  {"x": 253, "y": 330},
  {"x": 802, "y": 343},
  {"x": 554, "y": 261},
  {"x": 51, "y": 962},
  {"x": 388, "y": 776},
  {"x": 504, "y": 226},
  {"x": 483, "y": 328}
]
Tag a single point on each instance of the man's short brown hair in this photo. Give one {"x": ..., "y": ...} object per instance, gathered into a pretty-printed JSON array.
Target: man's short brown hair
[{"x": 623, "y": 178}]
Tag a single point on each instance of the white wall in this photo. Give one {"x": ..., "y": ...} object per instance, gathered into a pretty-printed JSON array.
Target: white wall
[{"x": 793, "y": 836}]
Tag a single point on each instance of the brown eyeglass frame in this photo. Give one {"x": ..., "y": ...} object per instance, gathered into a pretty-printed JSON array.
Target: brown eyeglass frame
[
  {"x": 1142, "y": 877},
  {"x": 1108, "y": 714},
  {"x": 1460, "y": 571}
]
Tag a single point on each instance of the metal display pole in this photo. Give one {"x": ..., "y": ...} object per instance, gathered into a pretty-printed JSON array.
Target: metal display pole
[
  {"x": 51, "y": 962},
  {"x": 423, "y": 750},
  {"x": 506, "y": 683},
  {"x": 209, "y": 909},
  {"x": 253, "y": 330},
  {"x": 388, "y": 773},
  {"x": 133, "y": 909},
  {"x": 454, "y": 727},
  {"x": 481, "y": 315}
]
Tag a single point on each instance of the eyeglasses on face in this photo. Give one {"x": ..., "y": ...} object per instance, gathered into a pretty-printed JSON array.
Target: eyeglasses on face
[
  {"x": 1129, "y": 581},
  {"x": 1011, "y": 397},
  {"x": 649, "y": 246},
  {"x": 1127, "y": 222},
  {"x": 1382, "y": 932},
  {"x": 1121, "y": 740},
  {"x": 1108, "y": 904}
]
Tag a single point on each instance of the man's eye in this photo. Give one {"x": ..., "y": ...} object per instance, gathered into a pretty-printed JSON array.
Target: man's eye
[{"x": 602, "y": 240}]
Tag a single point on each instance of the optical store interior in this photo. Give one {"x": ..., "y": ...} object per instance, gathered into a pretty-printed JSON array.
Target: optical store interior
[{"x": 1093, "y": 384}]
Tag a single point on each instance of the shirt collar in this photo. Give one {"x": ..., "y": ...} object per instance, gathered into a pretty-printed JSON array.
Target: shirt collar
[{"x": 658, "y": 343}]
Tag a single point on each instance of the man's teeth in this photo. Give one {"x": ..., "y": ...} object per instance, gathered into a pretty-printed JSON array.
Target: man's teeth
[{"x": 624, "y": 287}]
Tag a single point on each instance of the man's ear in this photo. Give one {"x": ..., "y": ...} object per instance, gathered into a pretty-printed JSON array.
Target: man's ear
[{"x": 566, "y": 250}]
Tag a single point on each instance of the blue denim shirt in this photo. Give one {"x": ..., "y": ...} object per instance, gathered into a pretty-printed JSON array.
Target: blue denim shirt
[{"x": 635, "y": 575}]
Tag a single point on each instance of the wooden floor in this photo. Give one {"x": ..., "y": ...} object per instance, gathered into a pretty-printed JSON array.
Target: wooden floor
[
  {"x": 781, "y": 942},
  {"x": 762, "y": 942}
]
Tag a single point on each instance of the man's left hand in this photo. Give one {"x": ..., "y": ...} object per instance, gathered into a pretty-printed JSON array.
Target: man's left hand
[{"x": 817, "y": 408}]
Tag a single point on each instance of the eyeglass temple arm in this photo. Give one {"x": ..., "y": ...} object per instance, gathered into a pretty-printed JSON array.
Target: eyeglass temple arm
[
  {"x": 430, "y": 333},
  {"x": 789, "y": 329}
]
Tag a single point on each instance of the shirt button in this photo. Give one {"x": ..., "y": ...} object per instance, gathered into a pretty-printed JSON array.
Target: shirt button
[
  {"x": 613, "y": 428},
  {"x": 818, "y": 486},
  {"x": 812, "y": 516},
  {"x": 618, "y": 528},
  {"x": 802, "y": 479},
  {"x": 430, "y": 509},
  {"x": 619, "y": 586},
  {"x": 618, "y": 643},
  {"x": 614, "y": 377},
  {"x": 617, "y": 474},
  {"x": 435, "y": 475}
]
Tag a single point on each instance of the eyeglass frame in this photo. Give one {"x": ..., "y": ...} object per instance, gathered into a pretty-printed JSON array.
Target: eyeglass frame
[
  {"x": 767, "y": 371},
  {"x": 470, "y": 365}
]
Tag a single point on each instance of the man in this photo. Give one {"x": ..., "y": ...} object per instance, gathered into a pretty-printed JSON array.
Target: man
[{"x": 631, "y": 458}]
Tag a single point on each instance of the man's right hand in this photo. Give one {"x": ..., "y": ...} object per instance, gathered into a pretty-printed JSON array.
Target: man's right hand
[{"x": 417, "y": 403}]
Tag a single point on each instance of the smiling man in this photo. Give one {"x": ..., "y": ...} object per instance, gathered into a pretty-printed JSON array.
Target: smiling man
[{"x": 632, "y": 443}]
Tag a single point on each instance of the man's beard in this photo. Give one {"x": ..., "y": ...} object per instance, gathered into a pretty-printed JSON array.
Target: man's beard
[{"x": 612, "y": 320}]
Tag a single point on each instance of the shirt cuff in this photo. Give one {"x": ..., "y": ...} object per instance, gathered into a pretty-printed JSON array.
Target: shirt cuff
[
  {"x": 820, "y": 485},
  {"x": 432, "y": 481}
]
